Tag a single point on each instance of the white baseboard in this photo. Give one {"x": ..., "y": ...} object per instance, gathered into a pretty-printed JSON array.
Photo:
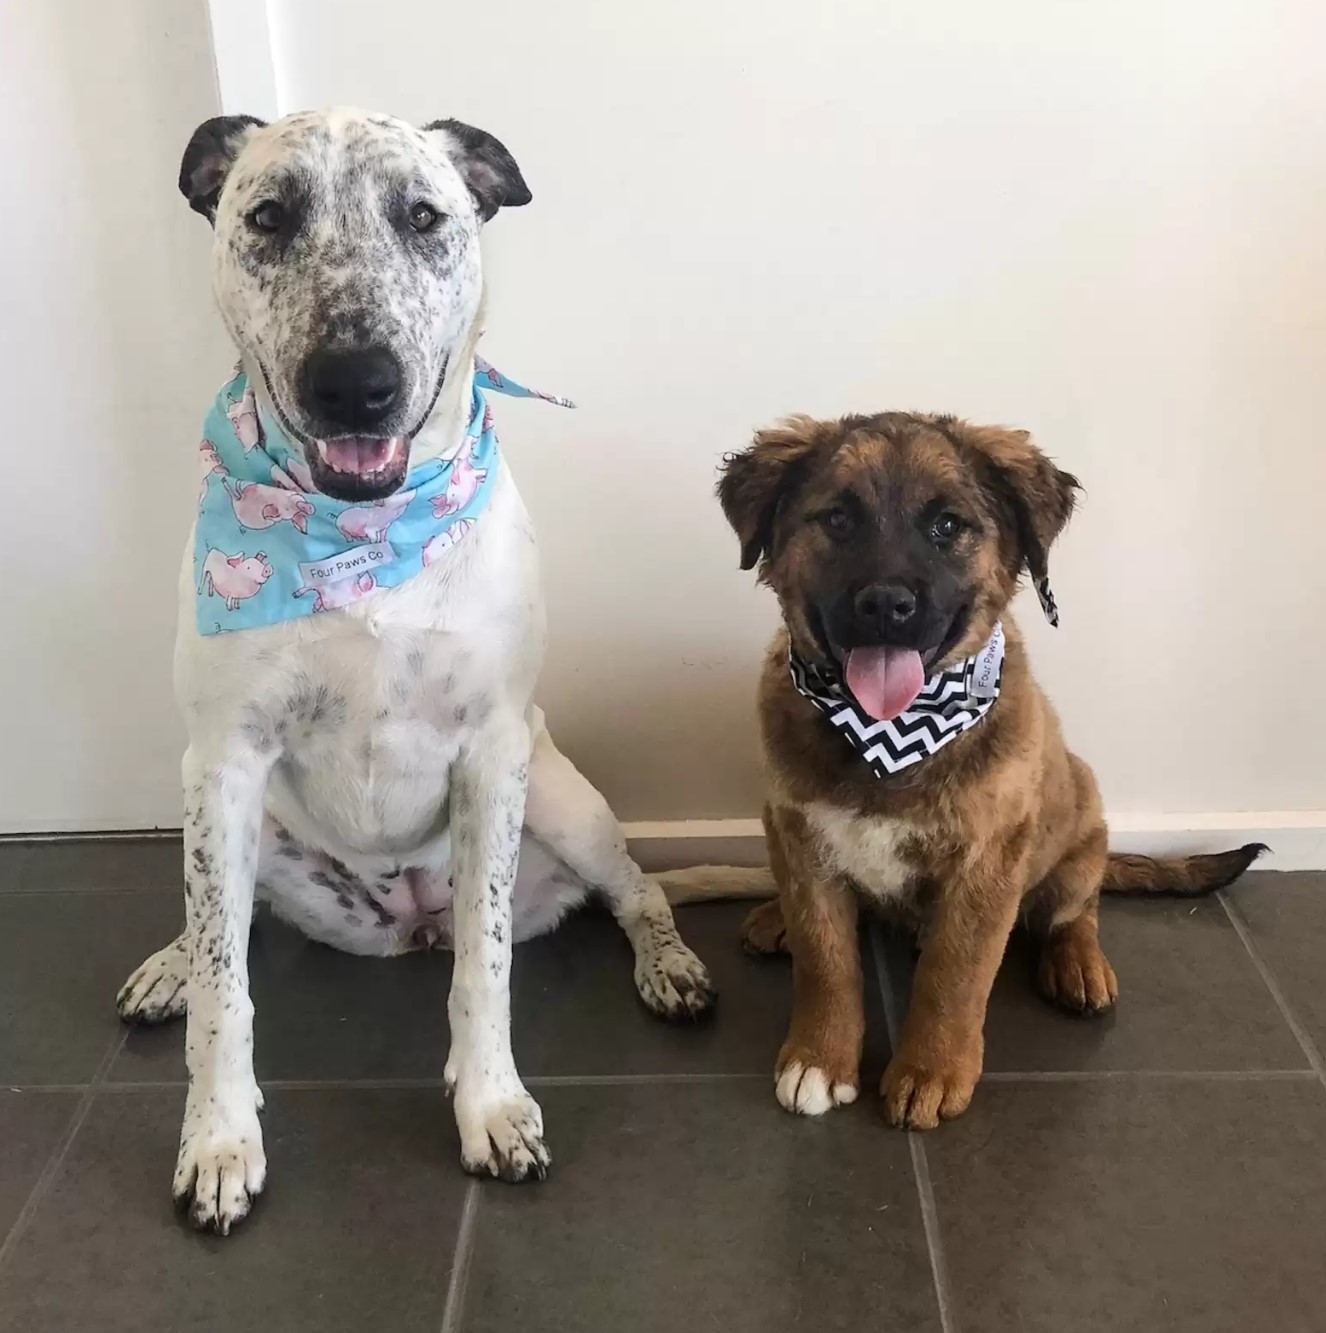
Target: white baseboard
[{"x": 1297, "y": 838}]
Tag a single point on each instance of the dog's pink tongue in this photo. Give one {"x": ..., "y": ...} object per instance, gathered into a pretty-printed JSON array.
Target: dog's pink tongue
[{"x": 884, "y": 680}]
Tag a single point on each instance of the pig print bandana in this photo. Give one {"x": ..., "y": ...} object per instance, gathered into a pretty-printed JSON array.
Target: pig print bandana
[
  {"x": 950, "y": 702},
  {"x": 269, "y": 547}
]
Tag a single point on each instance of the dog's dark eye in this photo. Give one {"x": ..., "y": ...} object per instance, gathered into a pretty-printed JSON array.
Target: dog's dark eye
[
  {"x": 945, "y": 528},
  {"x": 836, "y": 520},
  {"x": 424, "y": 218},
  {"x": 267, "y": 217}
]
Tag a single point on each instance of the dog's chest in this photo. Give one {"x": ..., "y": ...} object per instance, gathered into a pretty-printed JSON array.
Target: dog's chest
[
  {"x": 871, "y": 851},
  {"x": 369, "y": 707},
  {"x": 374, "y": 724}
]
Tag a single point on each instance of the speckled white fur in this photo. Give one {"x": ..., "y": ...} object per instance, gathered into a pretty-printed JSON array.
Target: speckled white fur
[{"x": 394, "y": 737}]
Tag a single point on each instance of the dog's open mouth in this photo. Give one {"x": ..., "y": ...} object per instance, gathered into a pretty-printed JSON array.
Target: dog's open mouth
[
  {"x": 885, "y": 679},
  {"x": 359, "y": 467},
  {"x": 360, "y": 455}
]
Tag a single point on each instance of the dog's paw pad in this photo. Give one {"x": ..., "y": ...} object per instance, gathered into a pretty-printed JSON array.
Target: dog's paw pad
[
  {"x": 155, "y": 993},
  {"x": 809, "y": 1090},
  {"x": 217, "y": 1177},
  {"x": 674, "y": 983},
  {"x": 1075, "y": 975},
  {"x": 504, "y": 1139},
  {"x": 919, "y": 1098},
  {"x": 764, "y": 930}
]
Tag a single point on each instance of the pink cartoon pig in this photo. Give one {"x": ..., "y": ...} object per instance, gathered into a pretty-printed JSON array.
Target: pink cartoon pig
[
  {"x": 259, "y": 506},
  {"x": 333, "y": 596},
  {"x": 234, "y": 577},
  {"x": 370, "y": 522},
  {"x": 440, "y": 543},
  {"x": 295, "y": 477},
  {"x": 244, "y": 419},
  {"x": 462, "y": 486},
  {"x": 211, "y": 464}
]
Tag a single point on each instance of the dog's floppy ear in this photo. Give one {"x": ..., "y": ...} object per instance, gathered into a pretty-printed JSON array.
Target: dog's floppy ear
[
  {"x": 755, "y": 482},
  {"x": 1038, "y": 496},
  {"x": 486, "y": 167},
  {"x": 212, "y": 151}
]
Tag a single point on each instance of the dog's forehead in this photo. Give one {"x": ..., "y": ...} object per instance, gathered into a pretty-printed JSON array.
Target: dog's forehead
[
  {"x": 901, "y": 454},
  {"x": 342, "y": 149}
]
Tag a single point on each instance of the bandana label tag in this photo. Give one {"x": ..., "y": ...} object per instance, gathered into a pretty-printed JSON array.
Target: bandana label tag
[
  {"x": 357, "y": 560},
  {"x": 985, "y": 669}
]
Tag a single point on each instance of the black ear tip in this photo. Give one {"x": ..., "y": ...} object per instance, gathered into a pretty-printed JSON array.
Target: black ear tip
[
  {"x": 212, "y": 148},
  {"x": 751, "y": 553}
]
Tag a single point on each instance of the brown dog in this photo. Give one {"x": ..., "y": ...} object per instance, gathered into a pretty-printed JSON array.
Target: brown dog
[{"x": 895, "y": 544}]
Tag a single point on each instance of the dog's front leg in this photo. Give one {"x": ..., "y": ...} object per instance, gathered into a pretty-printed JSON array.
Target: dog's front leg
[
  {"x": 501, "y": 1126},
  {"x": 941, "y": 1049},
  {"x": 819, "y": 1064},
  {"x": 221, "y": 1165}
]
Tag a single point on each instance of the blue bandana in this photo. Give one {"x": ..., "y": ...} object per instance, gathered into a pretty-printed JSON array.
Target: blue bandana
[{"x": 269, "y": 547}]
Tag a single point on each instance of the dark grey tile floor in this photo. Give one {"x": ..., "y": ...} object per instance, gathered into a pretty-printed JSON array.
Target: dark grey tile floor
[{"x": 1163, "y": 1169}]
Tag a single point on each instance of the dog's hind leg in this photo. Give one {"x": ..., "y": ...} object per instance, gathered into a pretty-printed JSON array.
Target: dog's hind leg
[
  {"x": 1072, "y": 971},
  {"x": 569, "y": 817},
  {"x": 155, "y": 992},
  {"x": 765, "y": 928}
]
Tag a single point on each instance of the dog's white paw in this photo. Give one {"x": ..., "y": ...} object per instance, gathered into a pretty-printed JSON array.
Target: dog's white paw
[
  {"x": 502, "y": 1135},
  {"x": 806, "y": 1090},
  {"x": 673, "y": 982},
  {"x": 155, "y": 993},
  {"x": 221, "y": 1167}
]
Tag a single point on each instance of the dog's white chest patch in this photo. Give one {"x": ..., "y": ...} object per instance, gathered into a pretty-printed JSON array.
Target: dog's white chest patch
[{"x": 869, "y": 850}]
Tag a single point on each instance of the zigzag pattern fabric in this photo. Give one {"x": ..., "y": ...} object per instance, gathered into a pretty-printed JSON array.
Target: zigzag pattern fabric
[{"x": 951, "y": 702}]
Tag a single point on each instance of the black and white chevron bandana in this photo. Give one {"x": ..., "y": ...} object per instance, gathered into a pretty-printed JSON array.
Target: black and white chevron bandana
[{"x": 950, "y": 703}]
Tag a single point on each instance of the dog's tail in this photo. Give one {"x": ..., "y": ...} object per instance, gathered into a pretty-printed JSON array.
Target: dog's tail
[
  {"x": 699, "y": 884},
  {"x": 1179, "y": 876}
]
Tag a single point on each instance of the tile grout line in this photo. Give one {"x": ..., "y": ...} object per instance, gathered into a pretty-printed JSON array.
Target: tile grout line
[
  {"x": 647, "y": 1080},
  {"x": 1301, "y": 1035},
  {"x": 454, "y": 1310},
  {"x": 61, "y": 1150},
  {"x": 925, "y": 1193},
  {"x": 1179, "y": 1075},
  {"x": 407, "y": 1084},
  {"x": 90, "y": 891}
]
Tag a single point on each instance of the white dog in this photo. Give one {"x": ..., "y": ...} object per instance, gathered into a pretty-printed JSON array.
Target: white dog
[{"x": 355, "y": 761}]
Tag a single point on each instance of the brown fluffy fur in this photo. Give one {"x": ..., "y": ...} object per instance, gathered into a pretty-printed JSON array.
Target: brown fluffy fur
[{"x": 1003, "y": 822}]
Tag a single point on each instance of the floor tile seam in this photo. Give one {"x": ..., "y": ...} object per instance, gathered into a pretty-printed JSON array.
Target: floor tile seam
[
  {"x": 1014, "y": 1076},
  {"x": 925, "y": 1194},
  {"x": 1272, "y": 984},
  {"x": 44, "y": 1087},
  {"x": 453, "y": 1312},
  {"x": 1010, "y": 1076},
  {"x": 56, "y": 1158},
  {"x": 406, "y": 1084},
  {"x": 91, "y": 891}
]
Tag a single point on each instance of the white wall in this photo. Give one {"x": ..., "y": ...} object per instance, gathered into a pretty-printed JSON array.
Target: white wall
[
  {"x": 1100, "y": 222},
  {"x": 108, "y": 354},
  {"x": 1103, "y": 223}
]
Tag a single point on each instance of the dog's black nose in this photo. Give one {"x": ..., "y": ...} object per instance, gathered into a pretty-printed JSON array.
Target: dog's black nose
[
  {"x": 887, "y": 605},
  {"x": 352, "y": 387}
]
